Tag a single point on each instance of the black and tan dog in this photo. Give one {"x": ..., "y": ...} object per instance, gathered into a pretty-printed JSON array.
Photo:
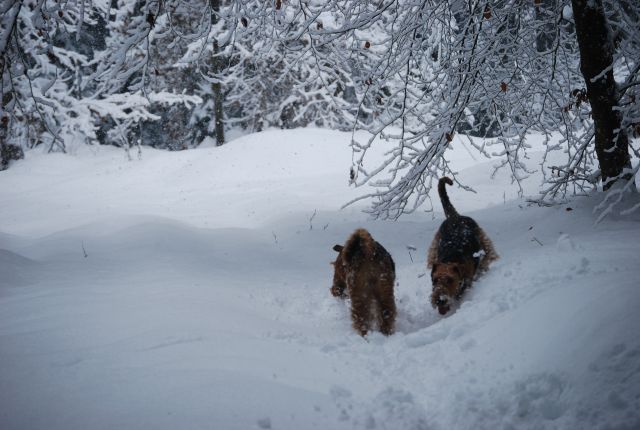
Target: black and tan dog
[
  {"x": 365, "y": 272},
  {"x": 459, "y": 252}
]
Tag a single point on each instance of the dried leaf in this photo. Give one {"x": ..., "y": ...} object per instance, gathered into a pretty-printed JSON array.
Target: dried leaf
[{"x": 487, "y": 12}]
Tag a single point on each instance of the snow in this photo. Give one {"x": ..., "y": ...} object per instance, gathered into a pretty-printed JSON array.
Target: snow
[{"x": 191, "y": 290}]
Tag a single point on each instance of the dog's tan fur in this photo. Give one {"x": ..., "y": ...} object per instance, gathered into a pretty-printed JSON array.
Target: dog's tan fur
[
  {"x": 455, "y": 272},
  {"x": 365, "y": 272}
]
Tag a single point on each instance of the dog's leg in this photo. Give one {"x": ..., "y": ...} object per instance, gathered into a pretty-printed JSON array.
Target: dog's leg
[
  {"x": 387, "y": 310},
  {"x": 490, "y": 253},
  {"x": 338, "y": 287},
  {"x": 339, "y": 279},
  {"x": 466, "y": 284},
  {"x": 361, "y": 312}
]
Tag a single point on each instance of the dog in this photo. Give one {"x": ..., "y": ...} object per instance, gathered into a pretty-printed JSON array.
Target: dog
[
  {"x": 459, "y": 253},
  {"x": 365, "y": 272}
]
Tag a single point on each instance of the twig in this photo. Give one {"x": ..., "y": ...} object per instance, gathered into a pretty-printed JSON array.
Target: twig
[
  {"x": 409, "y": 249},
  {"x": 315, "y": 211}
]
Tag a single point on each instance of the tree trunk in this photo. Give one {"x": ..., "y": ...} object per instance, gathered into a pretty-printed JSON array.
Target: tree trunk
[
  {"x": 8, "y": 151},
  {"x": 596, "y": 57},
  {"x": 218, "y": 97},
  {"x": 4, "y": 132}
]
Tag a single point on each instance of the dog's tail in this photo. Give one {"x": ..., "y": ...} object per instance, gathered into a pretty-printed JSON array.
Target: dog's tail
[
  {"x": 449, "y": 210},
  {"x": 359, "y": 247}
]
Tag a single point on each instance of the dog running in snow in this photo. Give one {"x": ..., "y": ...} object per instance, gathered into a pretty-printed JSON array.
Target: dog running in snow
[
  {"x": 365, "y": 272},
  {"x": 459, "y": 253}
]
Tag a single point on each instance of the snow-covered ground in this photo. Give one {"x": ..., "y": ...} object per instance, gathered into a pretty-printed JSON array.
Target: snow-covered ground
[{"x": 190, "y": 290}]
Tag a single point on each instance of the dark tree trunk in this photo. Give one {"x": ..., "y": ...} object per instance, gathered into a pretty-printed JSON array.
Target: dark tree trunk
[
  {"x": 596, "y": 56},
  {"x": 218, "y": 100},
  {"x": 4, "y": 132},
  {"x": 8, "y": 151},
  {"x": 218, "y": 97}
]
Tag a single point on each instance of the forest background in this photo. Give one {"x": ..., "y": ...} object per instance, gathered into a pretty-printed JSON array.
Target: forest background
[{"x": 170, "y": 73}]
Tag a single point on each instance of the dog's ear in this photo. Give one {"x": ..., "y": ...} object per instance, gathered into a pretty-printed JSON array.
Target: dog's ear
[{"x": 338, "y": 248}]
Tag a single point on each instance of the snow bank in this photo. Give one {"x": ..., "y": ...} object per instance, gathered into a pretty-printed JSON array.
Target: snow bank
[{"x": 191, "y": 290}]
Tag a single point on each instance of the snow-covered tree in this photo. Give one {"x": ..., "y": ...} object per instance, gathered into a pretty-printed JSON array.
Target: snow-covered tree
[
  {"x": 77, "y": 72},
  {"x": 254, "y": 78},
  {"x": 133, "y": 77},
  {"x": 41, "y": 67},
  {"x": 608, "y": 34},
  {"x": 430, "y": 69},
  {"x": 166, "y": 73}
]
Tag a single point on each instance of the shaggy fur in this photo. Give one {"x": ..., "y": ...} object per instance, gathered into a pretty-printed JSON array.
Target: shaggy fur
[
  {"x": 365, "y": 272},
  {"x": 459, "y": 253}
]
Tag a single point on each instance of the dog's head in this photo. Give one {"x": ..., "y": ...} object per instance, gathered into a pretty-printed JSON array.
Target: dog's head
[{"x": 446, "y": 279}]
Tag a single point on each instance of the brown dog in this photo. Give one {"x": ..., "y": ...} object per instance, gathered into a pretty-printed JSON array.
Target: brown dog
[
  {"x": 459, "y": 252},
  {"x": 365, "y": 272}
]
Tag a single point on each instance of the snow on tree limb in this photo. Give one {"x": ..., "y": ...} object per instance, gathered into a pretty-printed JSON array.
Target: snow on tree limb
[{"x": 444, "y": 68}]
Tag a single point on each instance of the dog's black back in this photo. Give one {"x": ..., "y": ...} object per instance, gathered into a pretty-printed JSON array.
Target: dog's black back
[
  {"x": 459, "y": 239},
  {"x": 459, "y": 235}
]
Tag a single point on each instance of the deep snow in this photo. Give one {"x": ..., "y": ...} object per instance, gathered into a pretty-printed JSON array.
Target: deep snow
[{"x": 191, "y": 290}]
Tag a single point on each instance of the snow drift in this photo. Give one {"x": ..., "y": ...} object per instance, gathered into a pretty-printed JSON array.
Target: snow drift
[{"x": 191, "y": 290}]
